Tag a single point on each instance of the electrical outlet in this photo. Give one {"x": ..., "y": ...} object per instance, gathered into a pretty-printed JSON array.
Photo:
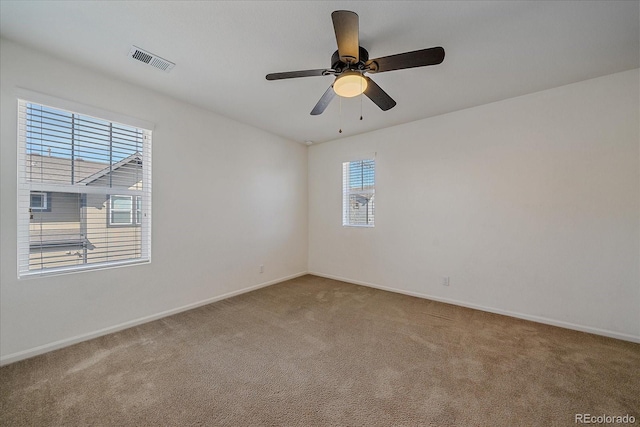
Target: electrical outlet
[
  {"x": 445, "y": 281},
  {"x": 261, "y": 268}
]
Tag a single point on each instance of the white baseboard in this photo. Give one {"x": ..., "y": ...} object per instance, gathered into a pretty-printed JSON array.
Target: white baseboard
[
  {"x": 538, "y": 319},
  {"x": 25, "y": 354}
]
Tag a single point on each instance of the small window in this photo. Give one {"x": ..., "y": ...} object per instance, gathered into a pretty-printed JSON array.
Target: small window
[
  {"x": 358, "y": 193},
  {"x": 40, "y": 202},
  {"x": 122, "y": 211}
]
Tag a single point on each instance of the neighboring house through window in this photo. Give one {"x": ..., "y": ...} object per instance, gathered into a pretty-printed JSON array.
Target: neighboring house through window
[
  {"x": 84, "y": 191},
  {"x": 358, "y": 193}
]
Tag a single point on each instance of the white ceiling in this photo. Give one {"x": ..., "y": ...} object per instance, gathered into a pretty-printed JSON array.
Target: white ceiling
[{"x": 223, "y": 50}]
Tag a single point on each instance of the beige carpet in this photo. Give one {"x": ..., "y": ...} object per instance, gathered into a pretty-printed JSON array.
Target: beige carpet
[{"x": 318, "y": 352}]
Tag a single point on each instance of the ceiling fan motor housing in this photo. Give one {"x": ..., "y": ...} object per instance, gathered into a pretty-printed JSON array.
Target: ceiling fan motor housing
[{"x": 340, "y": 66}]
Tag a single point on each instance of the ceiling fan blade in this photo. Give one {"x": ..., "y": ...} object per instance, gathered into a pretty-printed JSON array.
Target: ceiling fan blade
[
  {"x": 294, "y": 74},
  {"x": 417, "y": 58},
  {"x": 379, "y": 96},
  {"x": 345, "y": 25},
  {"x": 324, "y": 101}
]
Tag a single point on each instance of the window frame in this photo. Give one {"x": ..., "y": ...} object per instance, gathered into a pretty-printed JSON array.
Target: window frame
[
  {"x": 135, "y": 213},
  {"x": 347, "y": 193},
  {"x": 25, "y": 187}
]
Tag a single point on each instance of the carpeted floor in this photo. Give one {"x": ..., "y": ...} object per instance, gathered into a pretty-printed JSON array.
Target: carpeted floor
[{"x": 318, "y": 352}]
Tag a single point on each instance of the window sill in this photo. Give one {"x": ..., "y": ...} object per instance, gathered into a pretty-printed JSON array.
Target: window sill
[{"x": 75, "y": 269}]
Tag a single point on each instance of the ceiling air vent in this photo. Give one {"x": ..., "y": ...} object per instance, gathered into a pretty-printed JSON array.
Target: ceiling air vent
[{"x": 150, "y": 59}]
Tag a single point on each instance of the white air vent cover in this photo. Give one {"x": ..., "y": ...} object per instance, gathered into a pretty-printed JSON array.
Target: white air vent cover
[{"x": 151, "y": 59}]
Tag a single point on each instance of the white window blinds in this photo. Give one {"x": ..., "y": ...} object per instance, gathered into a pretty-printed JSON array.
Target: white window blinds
[
  {"x": 84, "y": 191},
  {"x": 358, "y": 193}
]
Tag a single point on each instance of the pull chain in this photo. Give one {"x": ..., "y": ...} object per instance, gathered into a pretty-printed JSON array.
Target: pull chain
[
  {"x": 361, "y": 92},
  {"x": 340, "y": 115}
]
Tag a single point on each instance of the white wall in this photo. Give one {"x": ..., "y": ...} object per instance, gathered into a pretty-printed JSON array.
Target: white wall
[
  {"x": 227, "y": 197},
  {"x": 530, "y": 205}
]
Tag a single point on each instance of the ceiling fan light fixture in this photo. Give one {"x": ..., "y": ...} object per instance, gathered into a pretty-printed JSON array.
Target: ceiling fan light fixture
[
  {"x": 350, "y": 84},
  {"x": 351, "y": 61}
]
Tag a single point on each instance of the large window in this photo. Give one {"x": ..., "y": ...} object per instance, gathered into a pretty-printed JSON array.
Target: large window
[
  {"x": 84, "y": 191},
  {"x": 358, "y": 193}
]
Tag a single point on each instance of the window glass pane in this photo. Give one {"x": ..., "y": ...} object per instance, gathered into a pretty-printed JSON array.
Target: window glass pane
[
  {"x": 361, "y": 174},
  {"x": 121, "y": 202},
  {"x": 360, "y": 209},
  {"x": 118, "y": 217},
  {"x": 37, "y": 200}
]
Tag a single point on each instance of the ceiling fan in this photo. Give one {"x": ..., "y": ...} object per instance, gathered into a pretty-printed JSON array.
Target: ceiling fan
[{"x": 351, "y": 61}]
